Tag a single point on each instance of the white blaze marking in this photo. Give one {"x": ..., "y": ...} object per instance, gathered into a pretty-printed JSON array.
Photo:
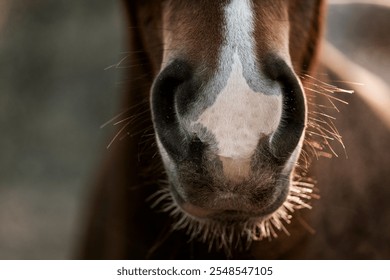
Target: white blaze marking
[
  {"x": 240, "y": 116},
  {"x": 239, "y": 27}
]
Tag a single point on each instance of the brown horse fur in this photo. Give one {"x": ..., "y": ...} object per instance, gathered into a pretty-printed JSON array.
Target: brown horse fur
[{"x": 351, "y": 218}]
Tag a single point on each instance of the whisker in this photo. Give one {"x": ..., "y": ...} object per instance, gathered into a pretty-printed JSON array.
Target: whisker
[
  {"x": 117, "y": 134},
  {"x": 117, "y": 65},
  {"x": 327, "y": 95},
  {"x": 114, "y": 118}
]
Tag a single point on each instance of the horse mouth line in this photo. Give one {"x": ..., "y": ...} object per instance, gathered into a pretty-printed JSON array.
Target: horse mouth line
[{"x": 222, "y": 216}]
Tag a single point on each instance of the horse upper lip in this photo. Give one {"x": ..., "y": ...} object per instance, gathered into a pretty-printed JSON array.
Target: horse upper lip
[{"x": 228, "y": 206}]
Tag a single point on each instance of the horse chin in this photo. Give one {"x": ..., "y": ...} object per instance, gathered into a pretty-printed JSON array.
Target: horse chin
[{"x": 228, "y": 229}]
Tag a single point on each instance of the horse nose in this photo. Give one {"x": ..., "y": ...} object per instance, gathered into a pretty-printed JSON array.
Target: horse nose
[
  {"x": 235, "y": 139},
  {"x": 234, "y": 126}
]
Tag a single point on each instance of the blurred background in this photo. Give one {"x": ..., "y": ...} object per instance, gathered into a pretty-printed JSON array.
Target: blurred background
[
  {"x": 57, "y": 88},
  {"x": 54, "y": 95}
]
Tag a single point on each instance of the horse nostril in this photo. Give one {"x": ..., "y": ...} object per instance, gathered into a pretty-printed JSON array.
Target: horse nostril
[
  {"x": 289, "y": 132},
  {"x": 176, "y": 79}
]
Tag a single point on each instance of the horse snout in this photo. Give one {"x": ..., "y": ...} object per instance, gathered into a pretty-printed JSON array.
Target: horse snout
[{"x": 228, "y": 148}]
